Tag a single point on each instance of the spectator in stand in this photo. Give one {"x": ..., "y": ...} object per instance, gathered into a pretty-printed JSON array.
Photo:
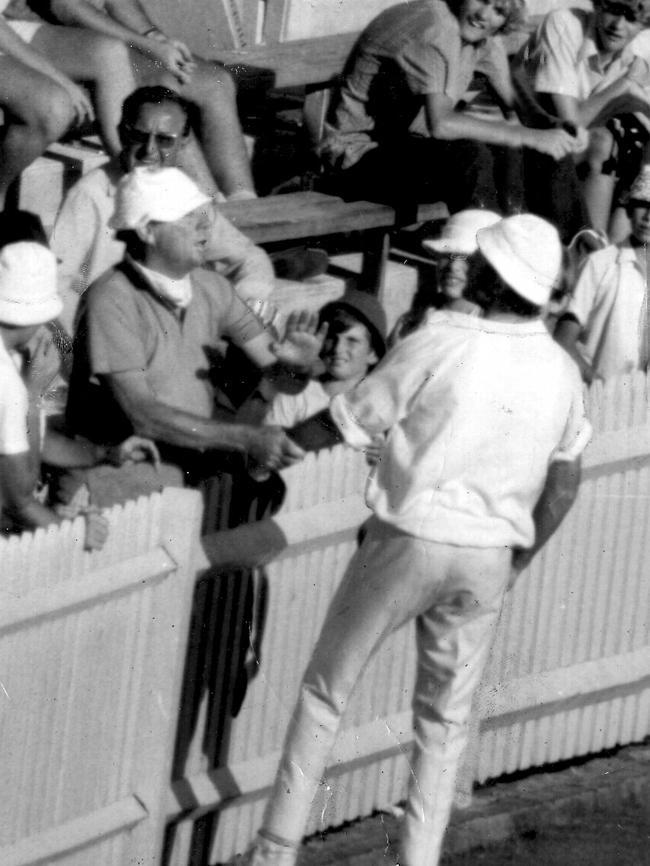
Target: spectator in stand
[
  {"x": 28, "y": 299},
  {"x": 355, "y": 341},
  {"x": 39, "y": 65},
  {"x": 146, "y": 328},
  {"x": 486, "y": 427},
  {"x": 154, "y": 130},
  {"x": 396, "y": 132},
  {"x": 592, "y": 69},
  {"x": 606, "y": 325},
  {"x": 454, "y": 252},
  {"x": 159, "y": 58}
]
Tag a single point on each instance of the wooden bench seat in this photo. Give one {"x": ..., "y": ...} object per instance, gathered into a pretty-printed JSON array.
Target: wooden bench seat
[{"x": 305, "y": 215}]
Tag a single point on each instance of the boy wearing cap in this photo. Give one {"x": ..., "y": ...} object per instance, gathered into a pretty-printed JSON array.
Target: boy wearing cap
[
  {"x": 605, "y": 327},
  {"x": 592, "y": 69},
  {"x": 148, "y": 328},
  {"x": 485, "y": 428},
  {"x": 28, "y": 299},
  {"x": 397, "y": 131},
  {"x": 355, "y": 341}
]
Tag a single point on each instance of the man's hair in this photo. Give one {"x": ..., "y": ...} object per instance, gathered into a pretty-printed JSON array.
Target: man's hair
[
  {"x": 515, "y": 14},
  {"x": 157, "y": 95},
  {"x": 21, "y": 225}
]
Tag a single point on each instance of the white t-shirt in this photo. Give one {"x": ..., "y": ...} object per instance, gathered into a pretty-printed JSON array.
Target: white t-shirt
[
  {"x": 13, "y": 407},
  {"x": 476, "y": 410},
  {"x": 610, "y": 303},
  {"x": 289, "y": 409}
]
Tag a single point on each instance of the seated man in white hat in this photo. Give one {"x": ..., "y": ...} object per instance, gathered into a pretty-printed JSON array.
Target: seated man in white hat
[
  {"x": 28, "y": 299},
  {"x": 605, "y": 326},
  {"x": 147, "y": 331},
  {"x": 486, "y": 427},
  {"x": 154, "y": 130}
]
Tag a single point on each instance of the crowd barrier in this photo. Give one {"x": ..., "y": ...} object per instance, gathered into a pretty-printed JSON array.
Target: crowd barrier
[{"x": 92, "y": 646}]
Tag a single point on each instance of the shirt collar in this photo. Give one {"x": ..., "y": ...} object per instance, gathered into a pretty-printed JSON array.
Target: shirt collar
[{"x": 177, "y": 293}]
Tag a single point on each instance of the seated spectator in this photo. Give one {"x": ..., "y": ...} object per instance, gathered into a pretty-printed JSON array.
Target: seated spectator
[
  {"x": 154, "y": 130},
  {"x": 355, "y": 341},
  {"x": 39, "y": 65},
  {"x": 592, "y": 69},
  {"x": 605, "y": 327},
  {"x": 159, "y": 58},
  {"x": 28, "y": 298},
  {"x": 454, "y": 251},
  {"x": 396, "y": 132},
  {"x": 146, "y": 329}
]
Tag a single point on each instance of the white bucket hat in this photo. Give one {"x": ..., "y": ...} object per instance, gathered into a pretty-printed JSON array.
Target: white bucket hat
[
  {"x": 160, "y": 194},
  {"x": 28, "y": 294},
  {"x": 459, "y": 233},
  {"x": 526, "y": 252}
]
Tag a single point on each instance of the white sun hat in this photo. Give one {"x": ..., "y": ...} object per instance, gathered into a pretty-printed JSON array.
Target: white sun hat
[
  {"x": 526, "y": 252},
  {"x": 159, "y": 194},
  {"x": 458, "y": 235},
  {"x": 28, "y": 294}
]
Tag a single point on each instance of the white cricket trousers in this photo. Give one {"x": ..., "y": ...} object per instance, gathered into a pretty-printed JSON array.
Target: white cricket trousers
[{"x": 456, "y": 594}]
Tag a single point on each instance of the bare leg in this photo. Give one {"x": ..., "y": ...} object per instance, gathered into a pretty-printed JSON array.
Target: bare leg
[
  {"x": 598, "y": 188},
  {"x": 37, "y": 113},
  {"x": 213, "y": 91},
  {"x": 100, "y": 60}
]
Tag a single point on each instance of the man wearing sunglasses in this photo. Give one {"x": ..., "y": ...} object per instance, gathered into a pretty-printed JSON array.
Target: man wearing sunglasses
[
  {"x": 155, "y": 127},
  {"x": 592, "y": 69}
]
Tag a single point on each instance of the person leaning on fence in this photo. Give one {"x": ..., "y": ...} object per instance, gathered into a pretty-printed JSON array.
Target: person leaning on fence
[
  {"x": 28, "y": 299},
  {"x": 396, "y": 132},
  {"x": 606, "y": 324},
  {"x": 146, "y": 335},
  {"x": 592, "y": 69},
  {"x": 453, "y": 252},
  {"x": 485, "y": 425},
  {"x": 154, "y": 131}
]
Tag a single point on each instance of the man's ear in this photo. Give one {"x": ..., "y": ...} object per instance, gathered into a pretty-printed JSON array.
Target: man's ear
[
  {"x": 373, "y": 358},
  {"x": 146, "y": 233}
]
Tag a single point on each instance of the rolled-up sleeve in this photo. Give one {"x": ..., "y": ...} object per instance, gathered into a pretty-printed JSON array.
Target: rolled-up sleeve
[
  {"x": 556, "y": 54},
  {"x": 578, "y": 430}
]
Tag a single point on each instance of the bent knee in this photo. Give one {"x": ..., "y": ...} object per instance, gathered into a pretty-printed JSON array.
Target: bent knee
[
  {"x": 110, "y": 57},
  {"x": 51, "y": 113},
  {"x": 601, "y": 146},
  {"x": 212, "y": 81}
]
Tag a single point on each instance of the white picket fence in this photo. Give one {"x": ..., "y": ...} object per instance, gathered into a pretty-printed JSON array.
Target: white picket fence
[{"x": 91, "y": 648}]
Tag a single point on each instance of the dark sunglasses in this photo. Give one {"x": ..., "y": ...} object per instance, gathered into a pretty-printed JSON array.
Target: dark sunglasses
[
  {"x": 164, "y": 141},
  {"x": 632, "y": 14}
]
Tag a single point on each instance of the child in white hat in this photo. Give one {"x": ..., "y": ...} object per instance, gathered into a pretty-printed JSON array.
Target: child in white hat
[
  {"x": 605, "y": 326},
  {"x": 28, "y": 299}
]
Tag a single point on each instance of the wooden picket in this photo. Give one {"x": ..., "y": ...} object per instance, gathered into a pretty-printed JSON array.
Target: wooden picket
[{"x": 90, "y": 653}]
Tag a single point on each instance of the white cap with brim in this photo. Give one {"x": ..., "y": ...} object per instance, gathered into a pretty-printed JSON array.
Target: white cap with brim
[
  {"x": 458, "y": 236},
  {"x": 526, "y": 252},
  {"x": 28, "y": 294},
  {"x": 154, "y": 194}
]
